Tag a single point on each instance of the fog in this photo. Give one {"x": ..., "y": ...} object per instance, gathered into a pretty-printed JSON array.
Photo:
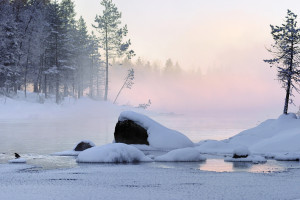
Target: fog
[
  {"x": 240, "y": 89},
  {"x": 220, "y": 47}
]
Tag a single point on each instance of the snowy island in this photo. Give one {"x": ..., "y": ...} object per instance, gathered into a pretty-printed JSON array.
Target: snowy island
[{"x": 277, "y": 139}]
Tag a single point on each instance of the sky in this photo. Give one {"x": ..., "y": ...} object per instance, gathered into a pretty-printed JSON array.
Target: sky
[{"x": 228, "y": 37}]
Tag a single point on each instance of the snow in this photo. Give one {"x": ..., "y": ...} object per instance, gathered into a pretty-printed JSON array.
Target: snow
[
  {"x": 287, "y": 156},
  {"x": 143, "y": 181},
  {"x": 252, "y": 158},
  {"x": 66, "y": 153},
  {"x": 181, "y": 155},
  {"x": 18, "y": 160},
  {"x": 271, "y": 136},
  {"x": 158, "y": 136},
  {"x": 112, "y": 153},
  {"x": 241, "y": 151}
]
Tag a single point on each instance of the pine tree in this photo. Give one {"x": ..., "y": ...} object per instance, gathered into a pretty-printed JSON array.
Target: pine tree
[
  {"x": 111, "y": 36},
  {"x": 9, "y": 48},
  {"x": 82, "y": 55},
  {"x": 95, "y": 70},
  {"x": 286, "y": 55}
]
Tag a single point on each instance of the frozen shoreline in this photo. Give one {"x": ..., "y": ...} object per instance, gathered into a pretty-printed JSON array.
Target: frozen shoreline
[{"x": 143, "y": 181}]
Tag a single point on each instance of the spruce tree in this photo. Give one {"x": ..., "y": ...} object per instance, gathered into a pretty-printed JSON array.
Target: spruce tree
[
  {"x": 111, "y": 36},
  {"x": 286, "y": 56}
]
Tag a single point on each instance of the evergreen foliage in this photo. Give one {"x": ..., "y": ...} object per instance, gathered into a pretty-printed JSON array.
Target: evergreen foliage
[
  {"x": 43, "y": 46},
  {"x": 111, "y": 36},
  {"x": 286, "y": 55}
]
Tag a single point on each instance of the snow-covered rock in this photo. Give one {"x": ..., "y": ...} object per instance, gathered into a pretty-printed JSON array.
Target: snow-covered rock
[
  {"x": 80, "y": 146},
  {"x": 83, "y": 145},
  {"x": 129, "y": 132},
  {"x": 241, "y": 152},
  {"x": 112, "y": 153},
  {"x": 158, "y": 136},
  {"x": 18, "y": 160},
  {"x": 287, "y": 157},
  {"x": 251, "y": 158},
  {"x": 188, "y": 154}
]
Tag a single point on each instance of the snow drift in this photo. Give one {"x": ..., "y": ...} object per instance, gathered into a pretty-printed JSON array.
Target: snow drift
[
  {"x": 112, "y": 153},
  {"x": 271, "y": 136},
  {"x": 181, "y": 155},
  {"x": 158, "y": 136}
]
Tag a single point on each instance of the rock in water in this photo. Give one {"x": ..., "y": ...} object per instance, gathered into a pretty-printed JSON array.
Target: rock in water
[
  {"x": 17, "y": 155},
  {"x": 241, "y": 152},
  {"x": 129, "y": 132},
  {"x": 83, "y": 145}
]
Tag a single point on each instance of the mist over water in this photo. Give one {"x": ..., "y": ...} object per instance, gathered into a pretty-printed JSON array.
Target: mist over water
[{"x": 220, "y": 92}]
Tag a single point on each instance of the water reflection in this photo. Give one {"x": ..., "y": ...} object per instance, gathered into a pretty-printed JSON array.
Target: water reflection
[
  {"x": 219, "y": 165},
  {"x": 216, "y": 165},
  {"x": 237, "y": 166}
]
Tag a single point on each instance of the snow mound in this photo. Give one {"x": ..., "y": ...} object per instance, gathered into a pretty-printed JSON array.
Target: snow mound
[
  {"x": 252, "y": 158},
  {"x": 112, "y": 153},
  {"x": 287, "y": 157},
  {"x": 158, "y": 136},
  {"x": 241, "y": 151},
  {"x": 181, "y": 155},
  {"x": 271, "y": 136},
  {"x": 216, "y": 147},
  {"x": 17, "y": 160}
]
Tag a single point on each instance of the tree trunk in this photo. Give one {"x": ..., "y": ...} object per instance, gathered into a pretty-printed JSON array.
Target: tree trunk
[
  {"x": 287, "y": 97},
  {"x": 91, "y": 79},
  {"x": 288, "y": 89},
  {"x": 25, "y": 77},
  {"x": 45, "y": 86},
  {"x": 57, "y": 89},
  {"x": 106, "y": 68},
  {"x": 57, "y": 75}
]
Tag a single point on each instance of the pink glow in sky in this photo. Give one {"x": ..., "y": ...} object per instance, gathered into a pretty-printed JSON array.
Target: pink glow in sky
[{"x": 230, "y": 36}]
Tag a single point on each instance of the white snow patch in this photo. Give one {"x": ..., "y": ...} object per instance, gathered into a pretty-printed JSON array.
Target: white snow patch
[
  {"x": 158, "y": 136},
  {"x": 216, "y": 147},
  {"x": 144, "y": 147},
  {"x": 181, "y": 155},
  {"x": 271, "y": 136},
  {"x": 66, "y": 153},
  {"x": 18, "y": 160},
  {"x": 112, "y": 153}
]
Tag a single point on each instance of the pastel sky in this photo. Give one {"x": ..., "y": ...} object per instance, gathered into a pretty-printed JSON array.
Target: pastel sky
[{"x": 228, "y": 36}]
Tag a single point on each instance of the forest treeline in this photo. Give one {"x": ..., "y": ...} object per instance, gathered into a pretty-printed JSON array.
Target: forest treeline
[
  {"x": 45, "y": 49},
  {"x": 42, "y": 45}
]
